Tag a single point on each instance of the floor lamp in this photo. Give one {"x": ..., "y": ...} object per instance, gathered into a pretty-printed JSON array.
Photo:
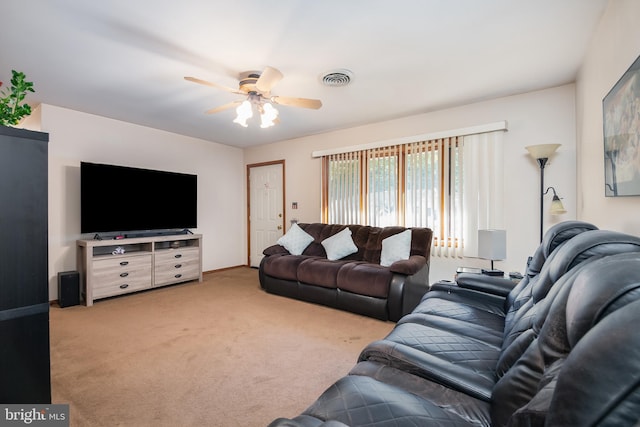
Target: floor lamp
[{"x": 541, "y": 153}]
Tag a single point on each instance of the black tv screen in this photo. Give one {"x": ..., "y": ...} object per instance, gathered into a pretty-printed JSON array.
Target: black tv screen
[{"x": 119, "y": 199}]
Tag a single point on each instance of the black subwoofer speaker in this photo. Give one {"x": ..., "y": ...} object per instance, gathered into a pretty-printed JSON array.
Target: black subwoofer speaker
[{"x": 68, "y": 288}]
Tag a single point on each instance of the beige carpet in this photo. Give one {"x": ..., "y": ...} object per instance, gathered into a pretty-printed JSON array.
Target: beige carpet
[{"x": 219, "y": 353}]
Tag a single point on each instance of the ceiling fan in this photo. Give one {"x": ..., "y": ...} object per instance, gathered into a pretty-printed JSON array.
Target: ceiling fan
[{"x": 256, "y": 87}]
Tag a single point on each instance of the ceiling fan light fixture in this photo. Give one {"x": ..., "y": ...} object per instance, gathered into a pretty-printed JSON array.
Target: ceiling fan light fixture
[
  {"x": 245, "y": 112},
  {"x": 256, "y": 87},
  {"x": 268, "y": 115}
]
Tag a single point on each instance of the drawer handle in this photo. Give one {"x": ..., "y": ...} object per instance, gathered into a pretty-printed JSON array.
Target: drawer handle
[
  {"x": 125, "y": 286},
  {"x": 177, "y": 276},
  {"x": 123, "y": 263},
  {"x": 177, "y": 256},
  {"x": 124, "y": 274},
  {"x": 178, "y": 265}
]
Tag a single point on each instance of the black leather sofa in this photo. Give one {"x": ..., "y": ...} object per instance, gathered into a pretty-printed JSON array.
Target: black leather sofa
[{"x": 560, "y": 349}]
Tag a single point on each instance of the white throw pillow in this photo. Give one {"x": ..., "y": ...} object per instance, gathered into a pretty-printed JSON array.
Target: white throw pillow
[
  {"x": 295, "y": 240},
  {"x": 339, "y": 245},
  {"x": 395, "y": 248}
]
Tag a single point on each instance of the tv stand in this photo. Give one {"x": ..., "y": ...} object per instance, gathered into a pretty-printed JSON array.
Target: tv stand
[{"x": 115, "y": 267}]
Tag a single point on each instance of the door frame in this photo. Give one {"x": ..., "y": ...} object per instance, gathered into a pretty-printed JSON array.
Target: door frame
[{"x": 284, "y": 203}]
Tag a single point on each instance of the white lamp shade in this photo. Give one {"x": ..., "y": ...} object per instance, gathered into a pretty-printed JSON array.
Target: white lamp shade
[
  {"x": 492, "y": 244},
  {"x": 269, "y": 114},
  {"x": 557, "y": 207},
  {"x": 542, "y": 151},
  {"x": 245, "y": 112}
]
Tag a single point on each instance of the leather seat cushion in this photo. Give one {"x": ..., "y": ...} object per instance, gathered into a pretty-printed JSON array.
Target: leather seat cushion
[
  {"x": 480, "y": 311},
  {"x": 360, "y": 400},
  {"x": 462, "y": 350},
  {"x": 320, "y": 272},
  {"x": 365, "y": 279},
  {"x": 283, "y": 266}
]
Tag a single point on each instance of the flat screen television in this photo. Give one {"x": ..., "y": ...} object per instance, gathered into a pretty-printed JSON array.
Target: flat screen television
[{"x": 117, "y": 199}]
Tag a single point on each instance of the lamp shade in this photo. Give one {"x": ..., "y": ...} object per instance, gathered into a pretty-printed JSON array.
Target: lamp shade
[
  {"x": 557, "y": 207},
  {"x": 269, "y": 114},
  {"x": 244, "y": 112},
  {"x": 492, "y": 244},
  {"x": 542, "y": 151}
]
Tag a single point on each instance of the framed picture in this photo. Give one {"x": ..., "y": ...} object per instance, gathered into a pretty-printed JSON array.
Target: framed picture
[{"x": 621, "y": 123}]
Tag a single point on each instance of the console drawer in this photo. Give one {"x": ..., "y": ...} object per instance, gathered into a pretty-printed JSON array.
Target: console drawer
[
  {"x": 115, "y": 276},
  {"x": 176, "y": 265}
]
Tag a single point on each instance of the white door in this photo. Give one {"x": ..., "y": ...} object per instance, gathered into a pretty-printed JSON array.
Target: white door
[{"x": 266, "y": 216}]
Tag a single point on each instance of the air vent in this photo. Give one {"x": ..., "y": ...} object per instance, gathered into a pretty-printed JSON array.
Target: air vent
[{"x": 337, "y": 78}]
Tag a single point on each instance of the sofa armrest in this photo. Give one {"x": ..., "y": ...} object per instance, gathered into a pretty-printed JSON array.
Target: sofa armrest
[
  {"x": 488, "y": 284},
  {"x": 275, "y": 250},
  {"x": 408, "y": 266},
  {"x": 415, "y": 287},
  {"x": 406, "y": 291}
]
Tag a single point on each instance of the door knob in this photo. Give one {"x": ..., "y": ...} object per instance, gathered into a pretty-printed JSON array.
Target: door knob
[{"x": 279, "y": 227}]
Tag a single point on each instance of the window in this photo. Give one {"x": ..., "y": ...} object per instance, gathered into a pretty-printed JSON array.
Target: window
[
  {"x": 451, "y": 182},
  {"x": 342, "y": 185},
  {"x": 415, "y": 185},
  {"x": 434, "y": 190},
  {"x": 382, "y": 181}
]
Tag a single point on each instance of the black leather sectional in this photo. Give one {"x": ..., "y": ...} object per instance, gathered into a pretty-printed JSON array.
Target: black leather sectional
[{"x": 560, "y": 349}]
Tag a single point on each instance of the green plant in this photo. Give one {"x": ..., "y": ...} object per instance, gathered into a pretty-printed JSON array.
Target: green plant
[{"x": 11, "y": 109}]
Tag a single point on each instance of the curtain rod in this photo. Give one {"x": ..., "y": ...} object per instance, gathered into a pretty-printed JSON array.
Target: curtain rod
[{"x": 471, "y": 130}]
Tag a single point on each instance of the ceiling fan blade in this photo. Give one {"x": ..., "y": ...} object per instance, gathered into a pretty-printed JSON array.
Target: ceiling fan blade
[
  {"x": 297, "y": 102},
  {"x": 268, "y": 79},
  {"x": 215, "y": 85},
  {"x": 223, "y": 107}
]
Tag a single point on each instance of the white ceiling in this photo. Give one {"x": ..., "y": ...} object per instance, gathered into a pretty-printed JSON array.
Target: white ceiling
[{"x": 126, "y": 59}]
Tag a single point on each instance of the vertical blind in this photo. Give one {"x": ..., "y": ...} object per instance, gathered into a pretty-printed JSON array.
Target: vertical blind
[
  {"x": 343, "y": 185},
  {"x": 452, "y": 185},
  {"x": 434, "y": 192},
  {"x": 382, "y": 178},
  {"x": 484, "y": 186}
]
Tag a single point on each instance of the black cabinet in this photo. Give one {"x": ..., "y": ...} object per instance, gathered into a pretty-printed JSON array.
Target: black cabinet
[{"x": 24, "y": 297}]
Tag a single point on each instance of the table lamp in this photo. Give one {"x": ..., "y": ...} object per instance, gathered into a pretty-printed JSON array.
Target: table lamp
[{"x": 492, "y": 245}]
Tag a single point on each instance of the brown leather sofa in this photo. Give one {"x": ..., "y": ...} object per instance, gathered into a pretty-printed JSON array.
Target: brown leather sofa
[{"x": 357, "y": 282}]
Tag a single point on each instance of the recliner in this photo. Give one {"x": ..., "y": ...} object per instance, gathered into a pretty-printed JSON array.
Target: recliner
[
  {"x": 482, "y": 298},
  {"x": 554, "y": 237},
  {"x": 452, "y": 351},
  {"x": 580, "y": 368},
  {"x": 435, "y": 370}
]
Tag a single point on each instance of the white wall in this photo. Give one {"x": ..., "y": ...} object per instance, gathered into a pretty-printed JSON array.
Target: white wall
[
  {"x": 614, "y": 47},
  {"x": 546, "y": 116},
  {"x": 76, "y": 137}
]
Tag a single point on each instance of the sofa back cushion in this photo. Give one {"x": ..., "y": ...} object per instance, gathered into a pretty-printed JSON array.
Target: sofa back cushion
[
  {"x": 591, "y": 291},
  {"x": 368, "y": 239}
]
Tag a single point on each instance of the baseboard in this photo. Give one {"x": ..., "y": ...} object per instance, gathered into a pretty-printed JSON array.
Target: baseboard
[{"x": 224, "y": 269}]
